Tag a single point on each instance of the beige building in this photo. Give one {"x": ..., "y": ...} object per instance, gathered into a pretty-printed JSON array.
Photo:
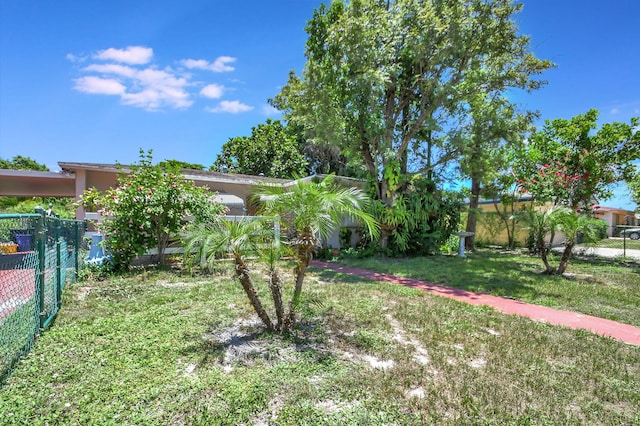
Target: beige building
[
  {"x": 233, "y": 190},
  {"x": 491, "y": 229}
]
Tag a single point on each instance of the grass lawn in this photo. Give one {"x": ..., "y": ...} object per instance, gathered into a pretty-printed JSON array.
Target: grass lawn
[
  {"x": 604, "y": 288},
  {"x": 162, "y": 348}
]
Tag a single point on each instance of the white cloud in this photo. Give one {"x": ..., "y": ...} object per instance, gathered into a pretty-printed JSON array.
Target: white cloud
[
  {"x": 614, "y": 111},
  {"x": 134, "y": 55},
  {"x": 146, "y": 88},
  {"x": 127, "y": 73},
  {"x": 73, "y": 58},
  {"x": 121, "y": 70},
  {"x": 99, "y": 86},
  {"x": 218, "y": 65},
  {"x": 269, "y": 111},
  {"x": 233, "y": 107},
  {"x": 213, "y": 91}
]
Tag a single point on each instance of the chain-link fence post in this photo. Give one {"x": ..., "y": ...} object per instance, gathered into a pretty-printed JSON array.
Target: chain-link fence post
[
  {"x": 41, "y": 235},
  {"x": 58, "y": 281},
  {"x": 76, "y": 249}
]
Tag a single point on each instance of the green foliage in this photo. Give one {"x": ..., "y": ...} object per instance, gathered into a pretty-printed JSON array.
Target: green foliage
[
  {"x": 345, "y": 237},
  {"x": 313, "y": 209},
  {"x": 22, "y": 163},
  {"x": 305, "y": 211},
  {"x": 178, "y": 165},
  {"x": 601, "y": 227},
  {"x": 65, "y": 208},
  {"x": 421, "y": 220},
  {"x": 543, "y": 224},
  {"x": 451, "y": 245},
  {"x": 270, "y": 151},
  {"x": 147, "y": 207},
  {"x": 381, "y": 77},
  {"x": 568, "y": 163}
]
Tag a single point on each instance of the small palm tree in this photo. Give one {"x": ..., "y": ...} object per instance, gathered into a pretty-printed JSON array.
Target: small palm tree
[
  {"x": 542, "y": 224},
  {"x": 574, "y": 224},
  {"x": 311, "y": 211},
  {"x": 207, "y": 242}
]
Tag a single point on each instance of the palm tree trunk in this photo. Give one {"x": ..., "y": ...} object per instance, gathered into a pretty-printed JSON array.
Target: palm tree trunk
[
  {"x": 275, "y": 284},
  {"x": 564, "y": 260},
  {"x": 242, "y": 272},
  {"x": 543, "y": 255},
  {"x": 304, "y": 254}
]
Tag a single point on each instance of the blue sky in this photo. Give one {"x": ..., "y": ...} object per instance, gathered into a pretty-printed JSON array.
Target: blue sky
[{"x": 95, "y": 81}]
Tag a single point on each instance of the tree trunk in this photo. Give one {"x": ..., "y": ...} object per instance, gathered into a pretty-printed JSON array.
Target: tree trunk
[
  {"x": 564, "y": 260},
  {"x": 275, "y": 285},
  {"x": 386, "y": 196},
  {"x": 162, "y": 245},
  {"x": 242, "y": 272},
  {"x": 543, "y": 255},
  {"x": 472, "y": 217},
  {"x": 305, "y": 253}
]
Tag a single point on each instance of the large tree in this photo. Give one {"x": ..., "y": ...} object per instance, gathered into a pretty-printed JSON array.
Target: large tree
[
  {"x": 380, "y": 73},
  {"x": 490, "y": 130},
  {"x": 270, "y": 151}
]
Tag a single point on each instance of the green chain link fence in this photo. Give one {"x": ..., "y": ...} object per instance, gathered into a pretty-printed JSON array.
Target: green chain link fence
[{"x": 38, "y": 255}]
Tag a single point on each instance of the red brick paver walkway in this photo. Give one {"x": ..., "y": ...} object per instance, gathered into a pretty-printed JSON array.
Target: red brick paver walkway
[{"x": 623, "y": 332}]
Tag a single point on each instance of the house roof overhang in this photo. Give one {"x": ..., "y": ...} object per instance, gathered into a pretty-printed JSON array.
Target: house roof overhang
[{"x": 30, "y": 183}]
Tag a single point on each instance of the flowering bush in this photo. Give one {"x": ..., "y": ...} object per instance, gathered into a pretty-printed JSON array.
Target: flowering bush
[
  {"x": 570, "y": 163},
  {"x": 148, "y": 206}
]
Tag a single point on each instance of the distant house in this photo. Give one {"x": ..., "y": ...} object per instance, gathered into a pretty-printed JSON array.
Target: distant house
[{"x": 616, "y": 218}]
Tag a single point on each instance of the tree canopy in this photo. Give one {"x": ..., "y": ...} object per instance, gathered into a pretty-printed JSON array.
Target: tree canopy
[
  {"x": 382, "y": 77},
  {"x": 22, "y": 163},
  {"x": 270, "y": 151},
  {"x": 570, "y": 162}
]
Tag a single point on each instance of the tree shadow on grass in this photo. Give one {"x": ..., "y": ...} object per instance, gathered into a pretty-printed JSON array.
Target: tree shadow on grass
[{"x": 246, "y": 342}]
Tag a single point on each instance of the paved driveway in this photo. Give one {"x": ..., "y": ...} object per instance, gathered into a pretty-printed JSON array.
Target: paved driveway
[{"x": 605, "y": 252}]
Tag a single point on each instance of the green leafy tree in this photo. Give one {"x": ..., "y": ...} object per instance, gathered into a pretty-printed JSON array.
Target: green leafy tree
[
  {"x": 379, "y": 74},
  {"x": 570, "y": 163},
  {"x": 208, "y": 241},
  {"x": 311, "y": 211},
  {"x": 179, "y": 165},
  {"x": 147, "y": 207},
  {"x": 421, "y": 220},
  {"x": 270, "y": 151},
  {"x": 22, "y": 163}
]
